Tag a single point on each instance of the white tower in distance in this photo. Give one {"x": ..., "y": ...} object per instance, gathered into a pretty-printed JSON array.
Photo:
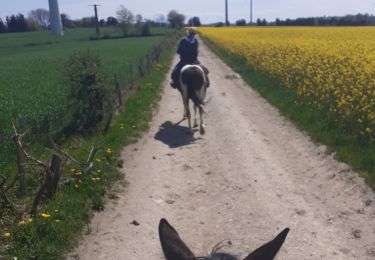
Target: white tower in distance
[{"x": 55, "y": 18}]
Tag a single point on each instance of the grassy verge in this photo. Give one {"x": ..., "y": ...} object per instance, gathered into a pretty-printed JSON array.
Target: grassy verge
[
  {"x": 33, "y": 82},
  {"x": 318, "y": 125},
  {"x": 60, "y": 222}
]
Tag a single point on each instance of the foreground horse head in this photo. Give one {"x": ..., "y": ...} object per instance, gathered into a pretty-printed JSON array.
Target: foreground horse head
[
  {"x": 193, "y": 86},
  {"x": 175, "y": 249}
]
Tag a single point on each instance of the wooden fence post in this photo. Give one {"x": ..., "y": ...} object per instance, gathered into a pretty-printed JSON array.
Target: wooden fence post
[
  {"x": 20, "y": 161},
  {"x": 53, "y": 175},
  {"x": 141, "y": 69},
  {"x": 118, "y": 91}
]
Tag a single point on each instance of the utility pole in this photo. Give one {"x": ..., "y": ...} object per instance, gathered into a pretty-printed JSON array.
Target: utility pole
[
  {"x": 96, "y": 18},
  {"x": 251, "y": 12},
  {"x": 226, "y": 13},
  {"x": 55, "y": 18}
]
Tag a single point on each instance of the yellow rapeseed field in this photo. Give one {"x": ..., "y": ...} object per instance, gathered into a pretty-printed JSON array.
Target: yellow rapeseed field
[{"x": 329, "y": 68}]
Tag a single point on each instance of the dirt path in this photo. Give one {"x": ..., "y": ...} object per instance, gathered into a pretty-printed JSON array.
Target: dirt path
[{"x": 251, "y": 175}]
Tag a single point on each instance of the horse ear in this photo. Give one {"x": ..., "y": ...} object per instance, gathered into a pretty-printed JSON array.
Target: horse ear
[
  {"x": 173, "y": 247},
  {"x": 269, "y": 250}
]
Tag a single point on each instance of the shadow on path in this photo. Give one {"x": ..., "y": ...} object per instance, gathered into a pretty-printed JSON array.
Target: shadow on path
[{"x": 174, "y": 135}]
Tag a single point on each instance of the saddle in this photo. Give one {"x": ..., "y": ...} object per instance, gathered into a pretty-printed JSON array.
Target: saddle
[{"x": 206, "y": 71}]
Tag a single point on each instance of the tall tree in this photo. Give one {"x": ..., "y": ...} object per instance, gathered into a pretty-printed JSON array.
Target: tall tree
[
  {"x": 3, "y": 28},
  {"x": 40, "y": 16},
  {"x": 160, "y": 20},
  {"x": 125, "y": 18},
  {"x": 66, "y": 21},
  {"x": 175, "y": 19},
  {"x": 111, "y": 21},
  {"x": 195, "y": 21},
  {"x": 241, "y": 22},
  {"x": 17, "y": 23}
]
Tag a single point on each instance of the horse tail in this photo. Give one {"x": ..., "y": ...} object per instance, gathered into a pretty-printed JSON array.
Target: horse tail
[{"x": 194, "y": 97}]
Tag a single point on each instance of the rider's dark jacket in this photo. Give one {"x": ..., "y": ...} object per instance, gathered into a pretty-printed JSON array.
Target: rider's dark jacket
[{"x": 188, "y": 50}]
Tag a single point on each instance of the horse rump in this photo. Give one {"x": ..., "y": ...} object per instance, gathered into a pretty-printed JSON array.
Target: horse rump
[{"x": 192, "y": 76}]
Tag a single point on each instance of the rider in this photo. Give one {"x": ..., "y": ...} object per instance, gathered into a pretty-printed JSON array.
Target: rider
[{"x": 188, "y": 51}]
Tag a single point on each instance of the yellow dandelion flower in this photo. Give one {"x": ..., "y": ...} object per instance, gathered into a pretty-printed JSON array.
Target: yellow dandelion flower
[
  {"x": 7, "y": 234},
  {"x": 30, "y": 219},
  {"x": 94, "y": 179},
  {"x": 45, "y": 215},
  {"x": 22, "y": 222}
]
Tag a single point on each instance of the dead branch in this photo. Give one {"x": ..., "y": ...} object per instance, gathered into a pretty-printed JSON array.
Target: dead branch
[
  {"x": 6, "y": 202},
  {"x": 92, "y": 153},
  {"x": 18, "y": 139},
  {"x": 11, "y": 184}
]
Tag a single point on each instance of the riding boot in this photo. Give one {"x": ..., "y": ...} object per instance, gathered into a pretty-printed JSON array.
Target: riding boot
[{"x": 173, "y": 84}]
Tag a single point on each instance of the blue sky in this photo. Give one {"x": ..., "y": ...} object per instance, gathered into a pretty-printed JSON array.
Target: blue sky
[{"x": 208, "y": 10}]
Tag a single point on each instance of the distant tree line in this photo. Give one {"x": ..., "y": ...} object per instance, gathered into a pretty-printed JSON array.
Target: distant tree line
[
  {"x": 194, "y": 21},
  {"x": 38, "y": 19},
  {"x": 347, "y": 20},
  {"x": 14, "y": 23}
]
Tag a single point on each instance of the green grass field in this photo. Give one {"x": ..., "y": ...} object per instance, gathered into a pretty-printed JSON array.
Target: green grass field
[
  {"x": 33, "y": 85},
  {"x": 61, "y": 220}
]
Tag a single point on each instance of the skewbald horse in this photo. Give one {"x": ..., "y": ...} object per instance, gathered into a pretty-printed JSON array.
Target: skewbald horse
[
  {"x": 193, "y": 86},
  {"x": 175, "y": 249}
]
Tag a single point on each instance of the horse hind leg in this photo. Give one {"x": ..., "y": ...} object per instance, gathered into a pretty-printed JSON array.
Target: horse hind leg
[
  {"x": 188, "y": 114},
  {"x": 184, "y": 116},
  {"x": 189, "y": 120},
  {"x": 202, "y": 127},
  {"x": 195, "y": 117}
]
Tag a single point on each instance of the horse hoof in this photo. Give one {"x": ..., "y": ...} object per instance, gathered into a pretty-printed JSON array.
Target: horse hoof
[
  {"x": 195, "y": 125},
  {"x": 202, "y": 130}
]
